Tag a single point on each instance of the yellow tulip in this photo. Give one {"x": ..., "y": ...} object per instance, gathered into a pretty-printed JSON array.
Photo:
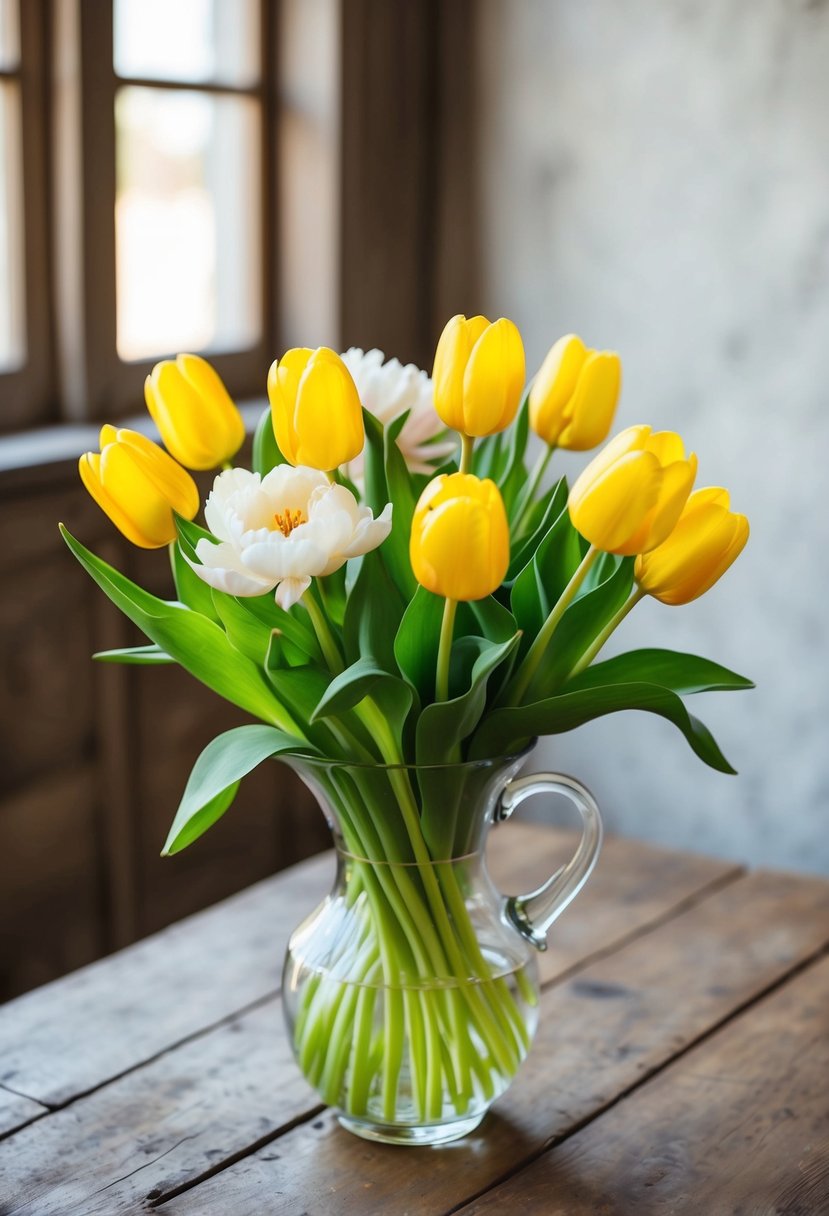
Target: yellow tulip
[
  {"x": 631, "y": 495},
  {"x": 478, "y": 375},
  {"x": 574, "y": 395},
  {"x": 459, "y": 545},
  {"x": 138, "y": 486},
  {"x": 704, "y": 543},
  {"x": 315, "y": 409},
  {"x": 200, "y": 425}
]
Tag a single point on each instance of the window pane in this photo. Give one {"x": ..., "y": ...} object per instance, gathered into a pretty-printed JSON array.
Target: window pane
[
  {"x": 188, "y": 40},
  {"x": 9, "y": 34},
  {"x": 187, "y": 222},
  {"x": 12, "y": 332}
]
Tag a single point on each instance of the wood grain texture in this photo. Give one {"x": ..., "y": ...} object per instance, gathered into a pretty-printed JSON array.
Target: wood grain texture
[
  {"x": 194, "y": 1108},
  {"x": 76, "y": 1033},
  {"x": 601, "y": 1034},
  {"x": 739, "y": 1125},
  {"x": 16, "y": 1111}
]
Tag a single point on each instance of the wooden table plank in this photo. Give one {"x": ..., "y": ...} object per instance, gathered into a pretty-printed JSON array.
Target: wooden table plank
[
  {"x": 71, "y": 1035},
  {"x": 601, "y": 1033},
  {"x": 739, "y": 1125},
  {"x": 61, "y": 1040},
  {"x": 16, "y": 1110},
  {"x": 194, "y": 1107}
]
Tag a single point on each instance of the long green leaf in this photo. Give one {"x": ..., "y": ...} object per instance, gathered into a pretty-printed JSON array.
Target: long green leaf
[
  {"x": 541, "y": 582},
  {"x": 195, "y": 642},
  {"x": 400, "y": 488},
  {"x": 215, "y": 778},
  {"x": 351, "y": 686},
  {"x": 373, "y": 613},
  {"x": 684, "y": 674},
  {"x": 246, "y": 631},
  {"x": 582, "y": 623},
  {"x": 266, "y": 453},
  {"x": 417, "y": 640},
  {"x": 506, "y": 730},
  {"x": 151, "y": 656},
  {"x": 443, "y": 726}
]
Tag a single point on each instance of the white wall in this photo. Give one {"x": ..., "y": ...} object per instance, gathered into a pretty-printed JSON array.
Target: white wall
[{"x": 656, "y": 178}]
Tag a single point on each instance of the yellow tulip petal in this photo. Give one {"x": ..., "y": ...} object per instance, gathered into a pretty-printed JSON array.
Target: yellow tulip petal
[
  {"x": 554, "y": 385},
  {"x": 610, "y": 513},
  {"x": 171, "y": 481},
  {"x": 328, "y": 416},
  {"x": 447, "y": 372},
  {"x": 459, "y": 544},
  {"x": 493, "y": 379},
  {"x": 591, "y": 410},
  {"x": 222, "y": 426},
  {"x": 703, "y": 545},
  {"x": 677, "y": 482}
]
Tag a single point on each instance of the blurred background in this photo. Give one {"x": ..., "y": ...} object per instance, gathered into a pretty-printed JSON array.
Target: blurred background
[{"x": 240, "y": 176}]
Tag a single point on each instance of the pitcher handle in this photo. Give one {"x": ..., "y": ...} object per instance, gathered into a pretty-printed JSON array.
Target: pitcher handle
[{"x": 533, "y": 914}]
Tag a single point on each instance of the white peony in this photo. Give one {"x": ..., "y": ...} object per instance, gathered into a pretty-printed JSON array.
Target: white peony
[
  {"x": 282, "y": 530},
  {"x": 387, "y": 390}
]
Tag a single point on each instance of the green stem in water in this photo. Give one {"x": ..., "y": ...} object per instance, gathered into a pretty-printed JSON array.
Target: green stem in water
[
  {"x": 328, "y": 644},
  {"x": 616, "y": 620},
  {"x": 467, "y": 447},
  {"x": 447, "y": 630},
  {"x": 519, "y": 685}
]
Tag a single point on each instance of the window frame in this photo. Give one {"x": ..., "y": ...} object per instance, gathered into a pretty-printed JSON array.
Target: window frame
[
  {"x": 96, "y": 383},
  {"x": 27, "y": 392}
]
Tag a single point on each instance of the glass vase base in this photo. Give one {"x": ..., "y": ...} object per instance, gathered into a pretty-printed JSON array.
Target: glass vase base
[{"x": 415, "y": 1136}]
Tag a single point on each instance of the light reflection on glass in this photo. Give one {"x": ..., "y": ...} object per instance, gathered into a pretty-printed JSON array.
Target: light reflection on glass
[
  {"x": 187, "y": 219},
  {"x": 12, "y": 325},
  {"x": 194, "y": 41}
]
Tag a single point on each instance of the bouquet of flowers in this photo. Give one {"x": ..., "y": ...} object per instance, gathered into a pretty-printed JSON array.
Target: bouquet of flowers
[{"x": 391, "y": 588}]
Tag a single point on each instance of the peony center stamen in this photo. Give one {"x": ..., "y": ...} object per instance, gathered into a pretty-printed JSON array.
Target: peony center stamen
[{"x": 290, "y": 520}]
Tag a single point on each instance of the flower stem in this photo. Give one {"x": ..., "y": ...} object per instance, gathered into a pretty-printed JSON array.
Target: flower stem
[
  {"x": 467, "y": 447},
  {"x": 322, "y": 629},
  {"x": 519, "y": 685},
  {"x": 616, "y": 620},
  {"x": 447, "y": 630},
  {"x": 525, "y": 498}
]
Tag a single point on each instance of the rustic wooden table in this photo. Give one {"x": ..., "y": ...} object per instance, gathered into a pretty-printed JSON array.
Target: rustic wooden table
[{"x": 682, "y": 1063}]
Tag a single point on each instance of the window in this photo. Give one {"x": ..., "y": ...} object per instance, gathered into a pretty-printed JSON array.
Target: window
[
  {"x": 176, "y": 177},
  {"x": 24, "y": 321},
  {"x": 136, "y": 199}
]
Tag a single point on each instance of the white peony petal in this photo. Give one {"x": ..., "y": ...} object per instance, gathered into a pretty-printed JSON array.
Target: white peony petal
[
  {"x": 220, "y": 568},
  {"x": 290, "y": 590},
  {"x": 284, "y": 557}
]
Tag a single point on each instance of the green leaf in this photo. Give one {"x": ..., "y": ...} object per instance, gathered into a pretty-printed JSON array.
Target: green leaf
[
  {"x": 542, "y": 517},
  {"x": 198, "y": 644},
  {"x": 487, "y": 617},
  {"x": 190, "y": 589},
  {"x": 295, "y": 624},
  {"x": 395, "y": 548},
  {"x": 417, "y": 641},
  {"x": 684, "y": 674},
  {"x": 151, "y": 655},
  {"x": 443, "y": 725},
  {"x": 540, "y": 584},
  {"x": 376, "y": 493},
  {"x": 505, "y": 730},
  {"x": 514, "y": 474},
  {"x": 266, "y": 454},
  {"x": 372, "y": 614},
  {"x": 351, "y": 686},
  {"x": 215, "y": 778},
  {"x": 581, "y": 624},
  {"x": 246, "y": 632}
]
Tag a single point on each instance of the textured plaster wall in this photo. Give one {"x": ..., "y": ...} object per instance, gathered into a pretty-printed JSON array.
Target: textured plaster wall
[{"x": 656, "y": 178}]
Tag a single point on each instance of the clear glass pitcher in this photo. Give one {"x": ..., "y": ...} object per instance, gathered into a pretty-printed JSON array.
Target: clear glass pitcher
[{"x": 411, "y": 993}]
